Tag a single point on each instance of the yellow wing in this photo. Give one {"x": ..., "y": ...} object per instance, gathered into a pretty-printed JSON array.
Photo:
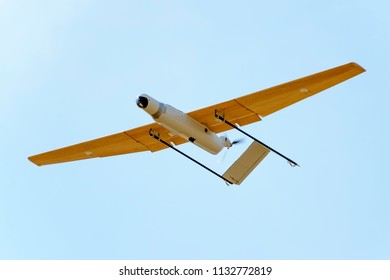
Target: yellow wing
[
  {"x": 247, "y": 109},
  {"x": 130, "y": 141},
  {"x": 243, "y": 110}
]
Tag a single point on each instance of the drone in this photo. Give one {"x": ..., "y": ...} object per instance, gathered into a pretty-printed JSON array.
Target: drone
[{"x": 172, "y": 127}]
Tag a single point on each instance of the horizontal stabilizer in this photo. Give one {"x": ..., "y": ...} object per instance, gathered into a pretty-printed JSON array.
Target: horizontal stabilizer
[{"x": 245, "y": 164}]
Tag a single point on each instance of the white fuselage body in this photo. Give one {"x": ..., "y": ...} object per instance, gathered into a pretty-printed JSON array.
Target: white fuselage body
[{"x": 183, "y": 125}]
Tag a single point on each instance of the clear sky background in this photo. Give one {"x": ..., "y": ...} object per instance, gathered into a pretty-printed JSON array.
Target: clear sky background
[{"x": 70, "y": 71}]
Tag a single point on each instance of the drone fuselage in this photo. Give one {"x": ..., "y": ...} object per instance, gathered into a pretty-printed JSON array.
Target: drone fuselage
[{"x": 181, "y": 124}]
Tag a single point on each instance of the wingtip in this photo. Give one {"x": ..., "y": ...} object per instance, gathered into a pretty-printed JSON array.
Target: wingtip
[
  {"x": 32, "y": 160},
  {"x": 357, "y": 66}
]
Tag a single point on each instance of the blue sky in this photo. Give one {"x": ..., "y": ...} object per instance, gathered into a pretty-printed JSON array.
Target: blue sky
[{"x": 70, "y": 71}]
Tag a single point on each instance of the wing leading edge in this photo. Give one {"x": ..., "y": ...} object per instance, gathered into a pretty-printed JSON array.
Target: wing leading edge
[{"x": 242, "y": 110}]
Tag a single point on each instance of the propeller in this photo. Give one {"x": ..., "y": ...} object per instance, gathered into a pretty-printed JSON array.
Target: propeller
[{"x": 237, "y": 141}]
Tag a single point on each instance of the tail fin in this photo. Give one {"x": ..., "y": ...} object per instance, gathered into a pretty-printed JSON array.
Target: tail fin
[{"x": 246, "y": 163}]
